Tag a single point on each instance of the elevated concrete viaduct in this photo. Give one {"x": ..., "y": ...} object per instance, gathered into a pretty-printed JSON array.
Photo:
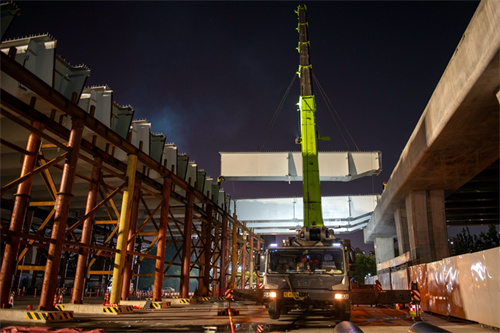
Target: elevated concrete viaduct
[{"x": 455, "y": 140}]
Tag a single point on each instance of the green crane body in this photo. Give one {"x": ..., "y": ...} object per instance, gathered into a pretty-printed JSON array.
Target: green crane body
[{"x": 310, "y": 167}]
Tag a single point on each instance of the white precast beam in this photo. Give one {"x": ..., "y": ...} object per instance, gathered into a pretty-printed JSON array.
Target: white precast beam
[
  {"x": 335, "y": 207},
  {"x": 291, "y": 231},
  {"x": 100, "y": 97},
  {"x": 141, "y": 131},
  {"x": 287, "y": 166},
  {"x": 283, "y": 215},
  {"x": 170, "y": 154}
]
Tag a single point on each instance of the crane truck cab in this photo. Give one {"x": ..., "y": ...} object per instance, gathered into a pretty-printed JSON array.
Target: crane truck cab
[{"x": 310, "y": 271}]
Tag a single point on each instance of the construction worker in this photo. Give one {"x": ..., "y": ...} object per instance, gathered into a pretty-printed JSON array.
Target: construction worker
[{"x": 219, "y": 179}]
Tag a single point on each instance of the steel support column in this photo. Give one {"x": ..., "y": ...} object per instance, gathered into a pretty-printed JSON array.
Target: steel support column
[
  {"x": 223, "y": 257},
  {"x": 21, "y": 203},
  {"x": 162, "y": 239},
  {"x": 251, "y": 261},
  {"x": 62, "y": 205},
  {"x": 186, "y": 247},
  {"x": 216, "y": 255},
  {"x": 121, "y": 242},
  {"x": 128, "y": 267},
  {"x": 88, "y": 223},
  {"x": 207, "y": 251},
  {"x": 257, "y": 278},
  {"x": 234, "y": 255},
  {"x": 244, "y": 260}
]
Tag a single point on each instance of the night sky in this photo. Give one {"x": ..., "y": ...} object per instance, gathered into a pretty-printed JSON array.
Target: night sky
[{"x": 211, "y": 75}]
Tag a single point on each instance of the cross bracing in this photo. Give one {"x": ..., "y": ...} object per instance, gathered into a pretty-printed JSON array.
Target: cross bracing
[{"x": 69, "y": 190}]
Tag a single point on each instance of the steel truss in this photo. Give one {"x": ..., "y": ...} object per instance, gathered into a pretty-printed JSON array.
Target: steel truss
[{"x": 96, "y": 217}]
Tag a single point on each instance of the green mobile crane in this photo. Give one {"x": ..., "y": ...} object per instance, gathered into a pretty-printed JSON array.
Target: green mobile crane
[{"x": 311, "y": 270}]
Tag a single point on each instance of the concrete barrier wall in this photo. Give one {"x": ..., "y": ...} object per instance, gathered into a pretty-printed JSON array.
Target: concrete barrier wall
[{"x": 465, "y": 286}]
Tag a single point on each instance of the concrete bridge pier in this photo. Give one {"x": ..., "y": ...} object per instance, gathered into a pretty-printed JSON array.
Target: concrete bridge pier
[
  {"x": 428, "y": 238},
  {"x": 401, "y": 222},
  {"x": 384, "y": 248}
]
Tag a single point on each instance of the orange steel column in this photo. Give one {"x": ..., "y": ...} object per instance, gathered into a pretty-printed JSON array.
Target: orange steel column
[
  {"x": 207, "y": 251},
  {"x": 162, "y": 239},
  {"x": 257, "y": 278},
  {"x": 223, "y": 257},
  {"x": 186, "y": 247},
  {"x": 127, "y": 268},
  {"x": 21, "y": 203},
  {"x": 244, "y": 260},
  {"x": 251, "y": 261},
  {"x": 88, "y": 223},
  {"x": 234, "y": 255},
  {"x": 216, "y": 254},
  {"x": 61, "y": 208}
]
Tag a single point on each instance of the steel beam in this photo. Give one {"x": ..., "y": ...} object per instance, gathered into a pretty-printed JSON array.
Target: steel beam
[
  {"x": 18, "y": 216},
  {"x": 63, "y": 201}
]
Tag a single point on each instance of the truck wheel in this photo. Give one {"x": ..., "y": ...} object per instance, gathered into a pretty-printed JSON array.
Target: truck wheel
[
  {"x": 346, "y": 312},
  {"x": 274, "y": 310}
]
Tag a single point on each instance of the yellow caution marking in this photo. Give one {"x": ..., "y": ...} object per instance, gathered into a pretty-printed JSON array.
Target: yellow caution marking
[{"x": 49, "y": 315}]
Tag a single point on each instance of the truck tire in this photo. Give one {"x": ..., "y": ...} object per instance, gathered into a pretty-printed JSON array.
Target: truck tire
[
  {"x": 274, "y": 310},
  {"x": 346, "y": 312}
]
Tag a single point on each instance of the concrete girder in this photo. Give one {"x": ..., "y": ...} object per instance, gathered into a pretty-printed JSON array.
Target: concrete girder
[
  {"x": 284, "y": 215},
  {"x": 37, "y": 54},
  {"x": 287, "y": 166}
]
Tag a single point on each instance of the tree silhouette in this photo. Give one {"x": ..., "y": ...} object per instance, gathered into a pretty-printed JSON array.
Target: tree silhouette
[{"x": 465, "y": 242}]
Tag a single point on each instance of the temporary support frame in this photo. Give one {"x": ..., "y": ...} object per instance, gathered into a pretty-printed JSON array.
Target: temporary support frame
[{"x": 90, "y": 159}]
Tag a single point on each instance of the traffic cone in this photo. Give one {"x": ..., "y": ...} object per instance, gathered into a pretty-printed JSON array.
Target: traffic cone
[
  {"x": 60, "y": 298},
  {"x": 55, "y": 300},
  {"x": 11, "y": 300},
  {"x": 418, "y": 312}
]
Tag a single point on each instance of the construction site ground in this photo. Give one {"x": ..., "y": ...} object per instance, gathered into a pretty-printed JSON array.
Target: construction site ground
[{"x": 205, "y": 317}]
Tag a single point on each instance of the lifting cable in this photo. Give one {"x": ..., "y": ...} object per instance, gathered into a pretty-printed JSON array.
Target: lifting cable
[
  {"x": 330, "y": 107},
  {"x": 276, "y": 113}
]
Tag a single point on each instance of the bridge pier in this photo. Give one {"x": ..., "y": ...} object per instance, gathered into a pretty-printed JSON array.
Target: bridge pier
[
  {"x": 384, "y": 248},
  {"x": 428, "y": 237},
  {"x": 401, "y": 222}
]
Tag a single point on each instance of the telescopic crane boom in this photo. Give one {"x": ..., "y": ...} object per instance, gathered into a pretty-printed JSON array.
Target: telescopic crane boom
[{"x": 309, "y": 135}]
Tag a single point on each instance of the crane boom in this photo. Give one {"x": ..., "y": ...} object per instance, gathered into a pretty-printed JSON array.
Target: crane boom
[{"x": 309, "y": 135}]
